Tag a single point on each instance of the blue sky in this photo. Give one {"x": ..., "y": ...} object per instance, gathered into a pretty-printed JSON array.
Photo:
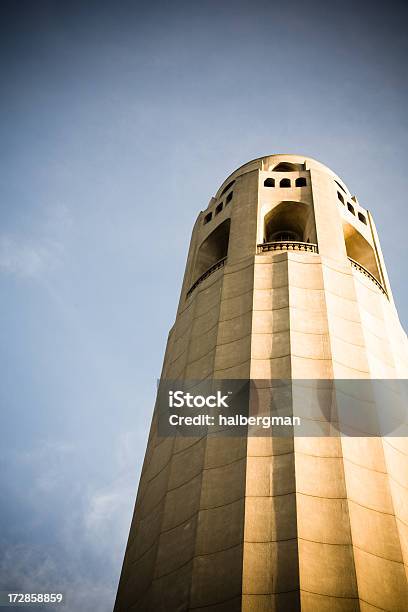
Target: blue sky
[{"x": 118, "y": 122}]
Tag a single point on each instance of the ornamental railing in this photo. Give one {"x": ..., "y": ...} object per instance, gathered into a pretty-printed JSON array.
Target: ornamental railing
[
  {"x": 366, "y": 272},
  {"x": 218, "y": 264},
  {"x": 287, "y": 245}
]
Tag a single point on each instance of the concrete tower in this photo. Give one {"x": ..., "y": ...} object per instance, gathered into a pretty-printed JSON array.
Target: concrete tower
[{"x": 285, "y": 279}]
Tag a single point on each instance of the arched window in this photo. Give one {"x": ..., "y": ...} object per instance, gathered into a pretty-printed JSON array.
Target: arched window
[
  {"x": 226, "y": 188},
  {"x": 284, "y": 236},
  {"x": 290, "y": 221},
  {"x": 289, "y": 167},
  {"x": 218, "y": 208},
  {"x": 214, "y": 248},
  {"x": 362, "y": 218},
  {"x": 300, "y": 182},
  {"x": 208, "y": 218},
  {"x": 229, "y": 198},
  {"x": 341, "y": 186},
  {"x": 284, "y": 183},
  {"x": 269, "y": 182},
  {"x": 340, "y": 197},
  {"x": 351, "y": 208},
  {"x": 359, "y": 249}
]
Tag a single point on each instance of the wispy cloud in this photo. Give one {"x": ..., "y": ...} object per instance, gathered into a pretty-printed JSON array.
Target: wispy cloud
[
  {"x": 34, "y": 251},
  {"x": 36, "y": 569},
  {"x": 25, "y": 259},
  {"x": 82, "y": 551}
]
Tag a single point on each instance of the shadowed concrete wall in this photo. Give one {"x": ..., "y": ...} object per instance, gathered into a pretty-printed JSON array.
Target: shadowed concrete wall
[{"x": 263, "y": 524}]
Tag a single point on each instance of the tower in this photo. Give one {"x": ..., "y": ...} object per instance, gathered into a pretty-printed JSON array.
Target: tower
[{"x": 285, "y": 279}]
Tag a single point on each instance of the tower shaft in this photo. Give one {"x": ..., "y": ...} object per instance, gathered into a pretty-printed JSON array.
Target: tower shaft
[{"x": 285, "y": 279}]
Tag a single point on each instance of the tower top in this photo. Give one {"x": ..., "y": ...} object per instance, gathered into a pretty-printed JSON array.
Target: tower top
[{"x": 283, "y": 162}]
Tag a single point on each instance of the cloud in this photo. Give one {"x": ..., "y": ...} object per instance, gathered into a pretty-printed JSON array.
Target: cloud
[
  {"x": 34, "y": 569},
  {"x": 107, "y": 508},
  {"x": 39, "y": 248},
  {"x": 23, "y": 259},
  {"x": 75, "y": 526},
  {"x": 50, "y": 461}
]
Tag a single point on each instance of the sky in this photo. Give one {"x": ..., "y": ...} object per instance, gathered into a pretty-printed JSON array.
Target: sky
[{"x": 118, "y": 122}]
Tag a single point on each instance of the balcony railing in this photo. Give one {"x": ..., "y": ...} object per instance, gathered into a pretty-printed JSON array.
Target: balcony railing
[
  {"x": 364, "y": 270},
  {"x": 218, "y": 264},
  {"x": 287, "y": 245}
]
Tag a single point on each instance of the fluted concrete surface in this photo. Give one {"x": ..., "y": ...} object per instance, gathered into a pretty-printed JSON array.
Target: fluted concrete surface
[{"x": 265, "y": 524}]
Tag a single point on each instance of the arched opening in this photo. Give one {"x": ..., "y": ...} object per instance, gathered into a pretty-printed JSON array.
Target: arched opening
[
  {"x": 229, "y": 198},
  {"x": 300, "y": 182},
  {"x": 359, "y": 249},
  {"x": 341, "y": 186},
  {"x": 269, "y": 182},
  {"x": 284, "y": 236},
  {"x": 290, "y": 221},
  {"x": 226, "y": 188},
  {"x": 351, "y": 208},
  {"x": 207, "y": 218},
  {"x": 340, "y": 197},
  {"x": 362, "y": 218},
  {"x": 218, "y": 208},
  {"x": 284, "y": 183},
  {"x": 214, "y": 248},
  {"x": 289, "y": 167}
]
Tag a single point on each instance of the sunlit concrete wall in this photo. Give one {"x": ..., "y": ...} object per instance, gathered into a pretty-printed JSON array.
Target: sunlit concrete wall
[{"x": 265, "y": 524}]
